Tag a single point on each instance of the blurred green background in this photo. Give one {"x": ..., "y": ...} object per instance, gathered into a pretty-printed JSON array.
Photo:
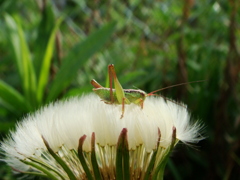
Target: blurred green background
[{"x": 51, "y": 50}]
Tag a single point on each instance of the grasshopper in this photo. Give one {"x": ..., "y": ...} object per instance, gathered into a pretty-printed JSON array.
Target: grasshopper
[{"x": 122, "y": 96}]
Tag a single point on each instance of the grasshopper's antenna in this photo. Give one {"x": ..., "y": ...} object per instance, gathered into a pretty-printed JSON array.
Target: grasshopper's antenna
[
  {"x": 168, "y": 99},
  {"x": 151, "y": 93}
]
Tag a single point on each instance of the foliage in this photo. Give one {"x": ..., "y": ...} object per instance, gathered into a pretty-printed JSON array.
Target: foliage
[{"x": 51, "y": 50}]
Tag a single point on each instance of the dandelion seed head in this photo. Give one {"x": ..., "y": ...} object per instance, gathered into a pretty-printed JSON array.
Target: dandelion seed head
[{"x": 64, "y": 122}]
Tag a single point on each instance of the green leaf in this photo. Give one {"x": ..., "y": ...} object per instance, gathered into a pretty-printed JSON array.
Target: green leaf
[
  {"x": 21, "y": 55},
  {"x": 77, "y": 57},
  {"x": 12, "y": 98},
  {"x": 46, "y": 62}
]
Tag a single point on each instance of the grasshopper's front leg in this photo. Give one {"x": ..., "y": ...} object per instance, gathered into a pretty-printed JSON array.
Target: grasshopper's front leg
[{"x": 118, "y": 88}]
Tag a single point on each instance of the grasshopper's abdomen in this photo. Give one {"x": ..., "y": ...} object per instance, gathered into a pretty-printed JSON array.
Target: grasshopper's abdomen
[{"x": 104, "y": 94}]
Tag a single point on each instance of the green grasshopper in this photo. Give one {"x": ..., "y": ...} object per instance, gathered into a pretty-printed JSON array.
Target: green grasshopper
[{"x": 120, "y": 95}]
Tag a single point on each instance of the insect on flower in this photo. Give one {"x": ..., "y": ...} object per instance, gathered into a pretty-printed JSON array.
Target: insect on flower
[{"x": 120, "y": 95}]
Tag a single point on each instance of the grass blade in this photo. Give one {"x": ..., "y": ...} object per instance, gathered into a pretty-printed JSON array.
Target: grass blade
[
  {"x": 22, "y": 56},
  {"x": 13, "y": 98},
  {"x": 77, "y": 57},
  {"x": 45, "y": 29},
  {"x": 46, "y": 62}
]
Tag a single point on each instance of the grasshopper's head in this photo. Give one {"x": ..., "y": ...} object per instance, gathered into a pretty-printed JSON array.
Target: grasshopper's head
[
  {"x": 151, "y": 94},
  {"x": 143, "y": 94}
]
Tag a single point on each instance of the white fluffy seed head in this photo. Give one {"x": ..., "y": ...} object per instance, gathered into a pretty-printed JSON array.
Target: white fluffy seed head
[{"x": 63, "y": 123}]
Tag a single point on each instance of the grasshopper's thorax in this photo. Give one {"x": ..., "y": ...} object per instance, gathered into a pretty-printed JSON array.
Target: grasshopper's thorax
[{"x": 134, "y": 95}]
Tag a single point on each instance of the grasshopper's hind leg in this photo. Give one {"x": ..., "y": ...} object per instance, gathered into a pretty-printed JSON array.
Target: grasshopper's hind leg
[
  {"x": 118, "y": 87},
  {"x": 110, "y": 76},
  {"x": 123, "y": 108}
]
